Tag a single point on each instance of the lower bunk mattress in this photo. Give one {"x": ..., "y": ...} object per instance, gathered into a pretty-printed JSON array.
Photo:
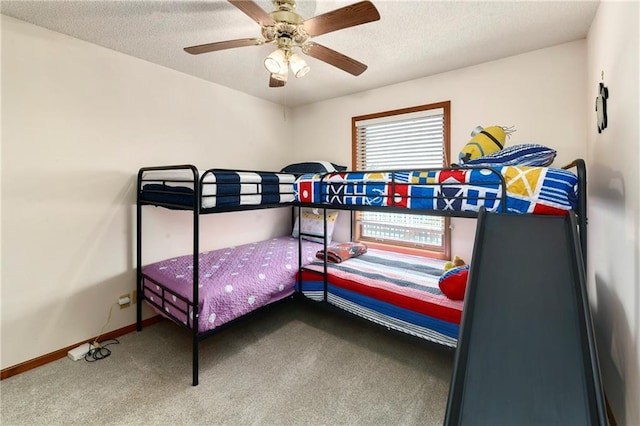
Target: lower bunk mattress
[
  {"x": 395, "y": 290},
  {"x": 232, "y": 281}
]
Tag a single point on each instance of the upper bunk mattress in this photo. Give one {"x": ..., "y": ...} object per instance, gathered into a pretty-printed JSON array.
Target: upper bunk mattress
[
  {"x": 529, "y": 190},
  {"x": 220, "y": 188}
]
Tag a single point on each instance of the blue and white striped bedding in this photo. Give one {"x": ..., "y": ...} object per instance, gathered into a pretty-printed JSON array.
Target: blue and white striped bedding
[
  {"x": 517, "y": 155},
  {"x": 219, "y": 188},
  {"x": 396, "y": 318}
]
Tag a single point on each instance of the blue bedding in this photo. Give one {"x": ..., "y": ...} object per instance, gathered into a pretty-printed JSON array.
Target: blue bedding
[
  {"x": 219, "y": 188},
  {"x": 529, "y": 190}
]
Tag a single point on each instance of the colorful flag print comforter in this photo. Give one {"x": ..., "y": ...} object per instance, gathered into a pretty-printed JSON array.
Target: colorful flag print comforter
[
  {"x": 529, "y": 190},
  {"x": 219, "y": 188},
  {"x": 396, "y": 290}
]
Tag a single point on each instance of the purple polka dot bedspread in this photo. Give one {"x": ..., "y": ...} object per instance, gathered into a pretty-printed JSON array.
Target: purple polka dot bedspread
[{"x": 232, "y": 281}]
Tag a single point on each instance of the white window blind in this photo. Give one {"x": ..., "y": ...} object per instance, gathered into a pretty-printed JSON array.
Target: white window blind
[
  {"x": 414, "y": 140},
  {"x": 401, "y": 142}
]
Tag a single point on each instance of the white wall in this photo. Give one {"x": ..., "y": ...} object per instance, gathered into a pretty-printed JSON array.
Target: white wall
[
  {"x": 614, "y": 204},
  {"x": 78, "y": 121},
  {"x": 541, "y": 93}
]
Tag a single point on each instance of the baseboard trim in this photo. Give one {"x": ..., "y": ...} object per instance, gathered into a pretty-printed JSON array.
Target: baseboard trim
[{"x": 61, "y": 353}]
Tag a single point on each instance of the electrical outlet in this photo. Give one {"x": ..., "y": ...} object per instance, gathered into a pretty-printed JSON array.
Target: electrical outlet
[{"x": 124, "y": 300}]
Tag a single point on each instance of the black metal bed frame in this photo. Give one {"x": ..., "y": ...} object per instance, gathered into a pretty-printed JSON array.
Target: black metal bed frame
[{"x": 196, "y": 208}]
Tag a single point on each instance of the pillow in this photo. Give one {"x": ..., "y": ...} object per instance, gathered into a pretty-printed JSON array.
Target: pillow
[
  {"x": 313, "y": 167},
  {"x": 453, "y": 283},
  {"x": 338, "y": 167},
  {"x": 338, "y": 253},
  {"x": 313, "y": 224},
  {"x": 517, "y": 155},
  {"x": 484, "y": 141}
]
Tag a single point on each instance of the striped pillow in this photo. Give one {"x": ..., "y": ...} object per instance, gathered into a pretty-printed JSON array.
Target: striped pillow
[{"x": 517, "y": 155}]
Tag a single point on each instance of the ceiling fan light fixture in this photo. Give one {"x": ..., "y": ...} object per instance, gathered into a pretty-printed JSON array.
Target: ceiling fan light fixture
[
  {"x": 276, "y": 62},
  {"x": 298, "y": 66},
  {"x": 289, "y": 30},
  {"x": 281, "y": 76}
]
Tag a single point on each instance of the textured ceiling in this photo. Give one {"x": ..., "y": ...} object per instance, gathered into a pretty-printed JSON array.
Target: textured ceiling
[{"x": 412, "y": 39}]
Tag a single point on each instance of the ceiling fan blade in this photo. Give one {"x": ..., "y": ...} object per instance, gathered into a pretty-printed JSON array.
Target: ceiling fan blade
[
  {"x": 345, "y": 17},
  {"x": 336, "y": 59},
  {"x": 273, "y": 82},
  {"x": 221, "y": 45},
  {"x": 253, "y": 11}
]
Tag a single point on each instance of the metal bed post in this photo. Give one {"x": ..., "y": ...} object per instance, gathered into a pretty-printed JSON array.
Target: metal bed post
[
  {"x": 326, "y": 255},
  {"x": 503, "y": 185},
  {"x": 352, "y": 215},
  {"x": 139, "y": 254},
  {"x": 582, "y": 206},
  {"x": 300, "y": 282},
  {"x": 581, "y": 173},
  {"x": 197, "y": 188}
]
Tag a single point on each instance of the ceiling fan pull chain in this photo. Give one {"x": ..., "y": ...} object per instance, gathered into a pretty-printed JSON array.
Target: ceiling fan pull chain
[{"x": 284, "y": 103}]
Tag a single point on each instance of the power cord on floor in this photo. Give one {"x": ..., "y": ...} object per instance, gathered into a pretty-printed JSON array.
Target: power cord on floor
[{"x": 99, "y": 350}]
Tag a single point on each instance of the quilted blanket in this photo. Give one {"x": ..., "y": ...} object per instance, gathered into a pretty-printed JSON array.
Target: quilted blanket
[
  {"x": 232, "y": 281},
  {"x": 529, "y": 190},
  {"x": 231, "y": 188},
  {"x": 220, "y": 188},
  {"x": 396, "y": 290}
]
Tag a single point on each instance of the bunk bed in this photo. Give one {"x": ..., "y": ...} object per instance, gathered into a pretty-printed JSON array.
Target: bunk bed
[
  {"x": 402, "y": 293},
  {"x": 222, "y": 285},
  {"x": 410, "y": 304},
  {"x": 525, "y": 304}
]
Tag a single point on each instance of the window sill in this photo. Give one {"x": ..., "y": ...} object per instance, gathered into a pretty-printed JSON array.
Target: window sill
[{"x": 405, "y": 250}]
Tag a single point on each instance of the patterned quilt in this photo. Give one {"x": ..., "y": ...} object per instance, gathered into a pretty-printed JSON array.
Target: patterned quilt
[{"x": 531, "y": 190}]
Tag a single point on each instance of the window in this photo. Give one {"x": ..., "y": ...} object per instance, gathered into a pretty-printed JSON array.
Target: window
[{"x": 410, "y": 138}]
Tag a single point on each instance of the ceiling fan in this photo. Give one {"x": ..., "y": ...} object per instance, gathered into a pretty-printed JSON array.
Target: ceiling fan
[{"x": 288, "y": 30}]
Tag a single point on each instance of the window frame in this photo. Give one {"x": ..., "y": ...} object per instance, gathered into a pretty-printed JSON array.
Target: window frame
[{"x": 408, "y": 248}]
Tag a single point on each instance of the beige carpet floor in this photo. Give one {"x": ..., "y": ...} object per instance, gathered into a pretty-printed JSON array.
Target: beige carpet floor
[{"x": 294, "y": 364}]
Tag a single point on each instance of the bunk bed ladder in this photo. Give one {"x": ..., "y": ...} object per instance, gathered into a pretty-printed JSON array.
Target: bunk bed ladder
[{"x": 325, "y": 246}]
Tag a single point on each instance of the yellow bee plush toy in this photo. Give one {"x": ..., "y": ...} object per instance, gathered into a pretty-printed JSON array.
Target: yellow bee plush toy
[
  {"x": 484, "y": 141},
  {"x": 457, "y": 261}
]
